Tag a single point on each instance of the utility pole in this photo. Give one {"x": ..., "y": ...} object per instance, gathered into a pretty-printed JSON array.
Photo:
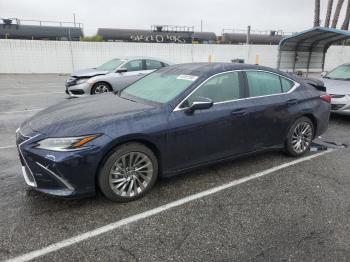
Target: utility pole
[
  {"x": 74, "y": 19},
  {"x": 248, "y": 35},
  {"x": 201, "y": 25}
]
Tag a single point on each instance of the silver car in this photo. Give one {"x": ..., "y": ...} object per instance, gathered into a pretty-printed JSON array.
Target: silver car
[
  {"x": 337, "y": 83},
  {"x": 111, "y": 76}
]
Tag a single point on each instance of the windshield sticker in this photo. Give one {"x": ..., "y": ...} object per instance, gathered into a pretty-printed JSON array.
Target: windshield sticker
[{"x": 187, "y": 77}]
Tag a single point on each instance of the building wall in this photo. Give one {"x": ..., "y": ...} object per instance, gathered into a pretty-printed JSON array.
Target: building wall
[{"x": 34, "y": 56}]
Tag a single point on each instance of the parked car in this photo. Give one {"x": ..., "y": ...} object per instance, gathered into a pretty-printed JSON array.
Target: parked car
[
  {"x": 337, "y": 83},
  {"x": 111, "y": 76},
  {"x": 175, "y": 119}
]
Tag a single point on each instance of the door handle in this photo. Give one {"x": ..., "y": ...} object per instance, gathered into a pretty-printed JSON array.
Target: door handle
[
  {"x": 239, "y": 112},
  {"x": 292, "y": 102}
]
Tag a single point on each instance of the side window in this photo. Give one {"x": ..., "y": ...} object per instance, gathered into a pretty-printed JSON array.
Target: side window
[
  {"x": 152, "y": 64},
  {"x": 262, "y": 83},
  {"x": 135, "y": 65},
  {"x": 220, "y": 88},
  {"x": 286, "y": 84}
]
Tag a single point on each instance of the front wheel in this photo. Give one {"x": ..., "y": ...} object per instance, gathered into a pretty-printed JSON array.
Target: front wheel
[
  {"x": 299, "y": 137},
  {"x": 100, "y": 88},
  {"x": 128, "y": 173}
]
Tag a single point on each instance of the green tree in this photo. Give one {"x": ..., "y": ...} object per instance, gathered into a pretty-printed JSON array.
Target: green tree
[{"x": 95, "y": 38}]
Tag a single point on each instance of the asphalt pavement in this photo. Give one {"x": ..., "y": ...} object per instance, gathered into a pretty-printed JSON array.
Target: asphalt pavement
[{"x": 293, "y": 212}]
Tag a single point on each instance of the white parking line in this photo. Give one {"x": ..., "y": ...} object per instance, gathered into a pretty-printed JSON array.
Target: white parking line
[
  {"x": 6, "y": 147},
  {"x": 98, "y": 231},
  {"x": 33, "y": 94},
  {"x": 23, "y": 111}
]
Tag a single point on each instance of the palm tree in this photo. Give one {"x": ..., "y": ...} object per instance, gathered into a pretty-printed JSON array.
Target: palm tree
[
  {"x": 345, "y": 25},
  {"x": 317, "y": 13},
  {"x": 329, "y": 13},
  {"x": 337, "y": 13}
]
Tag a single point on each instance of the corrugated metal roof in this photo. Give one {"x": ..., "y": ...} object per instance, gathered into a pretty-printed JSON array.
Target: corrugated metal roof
[{"x": 307, "y": 50}]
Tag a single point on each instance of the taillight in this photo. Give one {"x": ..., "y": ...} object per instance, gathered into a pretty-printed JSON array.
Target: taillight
[{"x": 327, "y": 98}]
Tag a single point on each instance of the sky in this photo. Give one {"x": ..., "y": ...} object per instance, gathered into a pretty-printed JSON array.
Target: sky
[{"x": 286, "y": 15}]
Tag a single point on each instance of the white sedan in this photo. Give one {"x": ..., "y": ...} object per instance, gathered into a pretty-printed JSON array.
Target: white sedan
[
  {"x": 111, "y": 76},
  {"x": 337, "y": 83}
]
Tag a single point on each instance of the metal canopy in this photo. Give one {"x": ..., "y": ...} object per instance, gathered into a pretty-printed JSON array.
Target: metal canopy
[{"x": 307, "y": 50}]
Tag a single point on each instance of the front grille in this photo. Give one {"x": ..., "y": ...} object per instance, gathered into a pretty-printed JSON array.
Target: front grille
[
  {"x": 336, "y": 107},
  {"x": 77, "y": 92},
  {"x": 337, "y": 96},
  {"x": 20, "y": 138}
]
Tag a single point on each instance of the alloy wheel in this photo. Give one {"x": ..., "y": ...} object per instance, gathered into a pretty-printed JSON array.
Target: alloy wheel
[
  {"x": 101, "y": 88},
  {"x": 301, "y": 137},
  {"x": 131, "y": 174}
]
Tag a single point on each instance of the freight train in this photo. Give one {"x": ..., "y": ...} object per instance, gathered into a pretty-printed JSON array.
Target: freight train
[{"x": 15, "y": 29}]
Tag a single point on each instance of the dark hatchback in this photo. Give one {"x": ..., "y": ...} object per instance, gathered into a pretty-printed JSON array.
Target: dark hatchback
[{"x": 175, "y": 119}]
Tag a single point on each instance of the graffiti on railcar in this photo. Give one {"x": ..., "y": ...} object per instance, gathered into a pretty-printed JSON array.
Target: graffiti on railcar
[{"x": 158, "y": 38}]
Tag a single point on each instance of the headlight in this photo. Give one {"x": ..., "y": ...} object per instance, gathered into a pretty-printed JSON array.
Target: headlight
[
  {"x": 65, "y": 143},
  {"x": 80, "y": 81}
]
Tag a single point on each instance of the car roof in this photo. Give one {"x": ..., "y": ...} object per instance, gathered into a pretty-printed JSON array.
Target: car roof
[
  {"x": 208, "y": 69},
  {"x": 128, "y": 58}
]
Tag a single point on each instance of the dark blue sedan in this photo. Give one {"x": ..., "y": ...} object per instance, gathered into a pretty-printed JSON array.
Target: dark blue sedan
[{"x": 175, "y": 119}]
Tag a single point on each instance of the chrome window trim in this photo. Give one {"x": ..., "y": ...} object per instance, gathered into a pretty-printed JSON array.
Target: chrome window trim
[{"x": 296, "y": 85}]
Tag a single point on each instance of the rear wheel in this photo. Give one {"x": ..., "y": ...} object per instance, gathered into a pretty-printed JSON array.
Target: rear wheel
[
  {"x": 100, "y": 88},
  {"x": 299, "y": 137},
  {"x": 128, "y": 173}
]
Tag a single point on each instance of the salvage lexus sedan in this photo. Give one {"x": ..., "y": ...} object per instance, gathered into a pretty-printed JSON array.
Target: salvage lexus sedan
[
  {"x": 111, "y": 76},
  {"x": 337, "y": 83},
  {"x": 175, "y": 119}
]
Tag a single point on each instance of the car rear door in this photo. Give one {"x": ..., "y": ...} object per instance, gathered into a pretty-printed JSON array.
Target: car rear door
[
  {"x": 211, "y": 134},
  {"x": 272, "y": 106},
  {"x": 152, "y": 65}
]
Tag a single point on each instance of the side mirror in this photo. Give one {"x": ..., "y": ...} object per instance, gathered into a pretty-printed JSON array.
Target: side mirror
[
  {"x": 199, "y": 103},
  {"x": 122, "y": 70},
  {"x": 323, "y": 74}
]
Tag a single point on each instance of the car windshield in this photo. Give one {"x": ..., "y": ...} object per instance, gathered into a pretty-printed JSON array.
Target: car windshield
[
  {"x": 110, "y": 65},
  {"x": 159, "y": 87},
  {"x": 341, "y": 73}
]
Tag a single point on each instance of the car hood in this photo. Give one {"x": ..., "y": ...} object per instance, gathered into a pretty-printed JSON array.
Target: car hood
[
  {"x": 90, "y": 72},
  {"x": 82, "y": 116},
  {"x": 338, "y": 87}
]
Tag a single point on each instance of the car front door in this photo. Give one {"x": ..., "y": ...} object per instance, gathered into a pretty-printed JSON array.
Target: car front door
[
  {"x": 207, "y": 135},
  {"x": 271, "y": 105},
  {"x": 135, "y": 70}
]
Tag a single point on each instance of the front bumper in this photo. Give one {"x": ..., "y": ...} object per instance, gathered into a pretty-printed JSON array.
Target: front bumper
[
  {"x": 66, "y": 174},
  {"x": 341, "y": 104},
  {"x": 83, "y": 89}
]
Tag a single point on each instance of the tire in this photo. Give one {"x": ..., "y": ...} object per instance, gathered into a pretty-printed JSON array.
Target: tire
[
  {"x": 128, "y": 182},
  {"x": 100, "y": 87},
  {"x": 299, "y": 137}
]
